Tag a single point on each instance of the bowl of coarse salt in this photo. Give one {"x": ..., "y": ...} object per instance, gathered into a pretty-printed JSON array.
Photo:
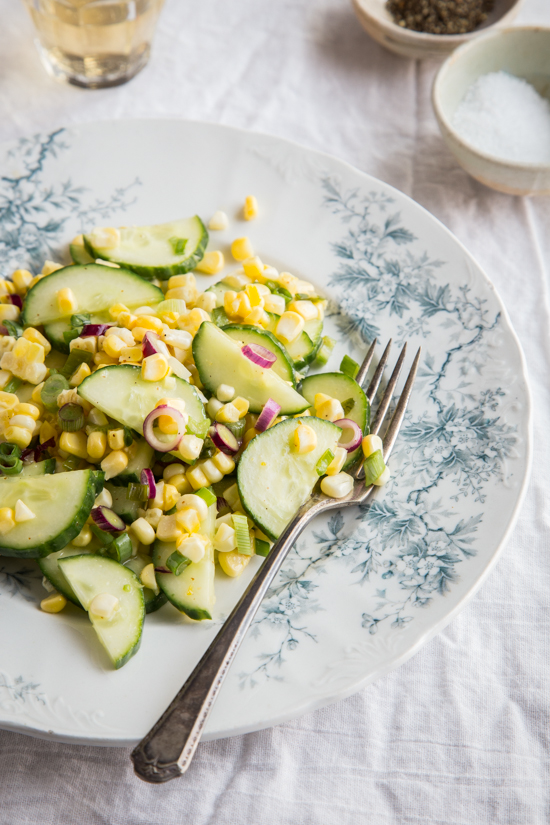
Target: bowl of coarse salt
[{"x": 491, "y": 99}]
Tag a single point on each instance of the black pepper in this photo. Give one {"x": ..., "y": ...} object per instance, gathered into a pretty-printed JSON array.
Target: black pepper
[{"x": 440, "y": 16}]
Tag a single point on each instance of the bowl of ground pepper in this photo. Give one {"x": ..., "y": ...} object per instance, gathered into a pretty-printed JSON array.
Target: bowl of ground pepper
[{"x": 431, "y": 28}]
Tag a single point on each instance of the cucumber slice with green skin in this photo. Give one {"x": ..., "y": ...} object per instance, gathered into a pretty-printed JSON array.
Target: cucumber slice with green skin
[
  {"x": 274, "y": 481},
  {"x": 121, "y": 393},
  {"x": 37, "y": 468},
  {"x": 61, "y": 505},
  {"x": 51, "y": 570},
  {"x": 122, "y": 505},
  {"x": 143, "y": 457},
  {"x": 246, "y": 334},
  {"x": 153, "y": 601},
  {"x": 219, "y": 360},
  {"x": 79, "y": 254},
  {"x": 151, "y": 250},
  {"x": 95, "y": 287},
  {"x": 343, "y": 388},
  {"x": 192, "y": 591},
  {"x": 54, "y": 331},
  {"x": 90, "y": 575}
]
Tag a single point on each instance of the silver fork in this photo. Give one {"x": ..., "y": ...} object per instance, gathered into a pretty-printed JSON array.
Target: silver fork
[{"x": 167, "y": 750}]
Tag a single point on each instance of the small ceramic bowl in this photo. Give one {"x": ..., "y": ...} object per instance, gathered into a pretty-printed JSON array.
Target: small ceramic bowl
[
  {"x": 524, "y": 52},
  {"x": 378, "y": 22}
]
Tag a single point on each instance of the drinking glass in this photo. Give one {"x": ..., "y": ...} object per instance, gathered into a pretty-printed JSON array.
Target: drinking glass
[{"x": 94, "y": 43}]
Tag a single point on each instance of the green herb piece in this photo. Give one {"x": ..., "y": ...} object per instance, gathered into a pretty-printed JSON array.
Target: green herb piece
[
  {"x": 13, "y": 385},
  {"x": 10, "y": 459},
  {"x": 237, "y": 427},
  {"x": 80, "y": 320},
  {"x": 242, "y": 534},
  {"x": 178, "y": 245},
  {"x": 176, "y": 563},
  {"x": 72, "y": 463},
  {"x": 128, "y": 436},
  {"x": 348, "y": 405},
  {"x": 104, "y": 537},
  {"x": 349, "y": 367},
  {"x": 75, "y": 359},
  {"x": 220, "y": 317},
  {"x": 120, "y": 549},
  {"x": 137, "y": 492},
  {"x": 53, "y": 386},
  {"x": 16, "y": 330},
  {"x": 261, "y": 547},
  {"x": 374, "y": 466},
  {"x": 207, "y": 495},
  {"x": 280, "y": 290},
  {"x": 324, "y": 462},
  {"x": 70, "y": 334}
]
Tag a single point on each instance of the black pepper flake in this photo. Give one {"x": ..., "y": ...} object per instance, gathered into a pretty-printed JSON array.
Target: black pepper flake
[{"x": 440, "y": 16}]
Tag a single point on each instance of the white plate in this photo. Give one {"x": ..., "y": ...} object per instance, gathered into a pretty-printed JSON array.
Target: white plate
[{"x": 363, "y": 590}]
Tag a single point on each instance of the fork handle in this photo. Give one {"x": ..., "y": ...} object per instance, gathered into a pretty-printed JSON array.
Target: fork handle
[{"x": 166, "y": 751}]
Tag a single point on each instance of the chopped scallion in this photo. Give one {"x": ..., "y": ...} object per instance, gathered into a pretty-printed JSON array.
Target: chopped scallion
[
  {"x": 137, "y": 492},
  {"x": 178, "y": 245},
  {"x": 324, "y": 462},
  {"x": 261, "y": 547},
  {"x": 325, "y": 351},
  {"x": 220, "y": 317},
  {"x": 75, "y": 359},
  {"x": 374, "y": 466},
  {"x": 242, "y": 534},
  {"x": 349, "y": 367},
  {"x": 13, "y": 385},
  {"x": 207, "y": 495},
  {"x": 177, "y": 563},
  {"x": 53, "y": 386},
  {"x": 15, "y": 330}
]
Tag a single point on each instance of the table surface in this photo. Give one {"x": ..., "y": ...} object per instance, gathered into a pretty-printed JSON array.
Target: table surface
[{"x": 458, "y": 735}]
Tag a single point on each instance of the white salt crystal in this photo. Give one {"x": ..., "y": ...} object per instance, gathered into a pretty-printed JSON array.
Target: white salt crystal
[{"x": 504, "y": 116}]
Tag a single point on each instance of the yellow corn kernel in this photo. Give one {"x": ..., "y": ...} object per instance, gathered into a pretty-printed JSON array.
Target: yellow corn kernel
[
  {"x": 197, "y": 478},
  {"x": 337, "y": 486},
  {"x": 96, "y": 445},
  {"x": 66, "y": 301},
  {"x": 211, "y": 263},
  {"x": 167, "y": 529},
  {"x": 116, "y": 309},
  {"x": 218, "y": 221},
  {"x": 9, "y": 312},
  {"x": 5, "y": 377},
  {"x": 257, "y": 316},
  {"x": 88, "y": 344},
  {"x": 79, "y": 375},
  {"x": 74, "y": 443},
  {"x": 27, "y": 409},
  {"x": 36, "y": 337},
  {"x": 340, "y": 458},
  {"x": 188, "y": 519},
  {"x": 125, "y": 319},
  {"x": 249, "y": 435},
  {"x": 46, "y": 432},
  {"x": 22, "y": 279},
  {"x": 6, "y": 287},
  {"x": 190, "y": 447},
  {"x": 113, "y": 346},
  {"x": 36, "y": 279},
  {"x": 306, "y": 309},
  {"x": 289, "y": 282},
  {"x": 176, "y": 281},
  {"x": 134, "y": 354},
  {"x": 116, "y": 439},
  {"x": 170, "y": 496},
  {"x": 305, "y": 439},
  {"x": 54, "y": 603},
  {"x": 255, "y": 294},
  {"x": 191, "y": 322},
  {"x": 228, "y": 414},
  {"x": 148, "y": 578},
  {"x": 224, "y": 463},
  {"x": 49, "y": 267},
  {"x": 181, "y": 484},
  {"x": 206, "y": 301},
  {"x": 30, "y": 351},
  {"x": 241, "y": 249},
  {"x": 143, "y": 531},
  {"x": 233, "y": 563},
  {"x": 255, "y": 269},
  {"x": 243, "y": 304},
  {"x": 289, "y": 326},
  {"x": 114, "y": 463},
  {"x": 7, "y": 520},
  {"x": 370, "y": 444},
  {"x": 8, "y": 400},
  {"x": 250, "y": 208},
  {"x": 148, "y": 322},
  {"x": 242, "y": 405},
  {"x": 105, "y": 237},
  {"x": 230, "y": 302},
  {"x": 101, "y": 359},
  {"x": 154, "y": 367},
  {"x": 330, "y": 410},
  {"x": 84, "y": 537},
  {"x": 170, "y": 319},
  {"x": 18, "y": 435},
  {"x": 275, "y": 304},
  {"x": 320, "y": 398}
]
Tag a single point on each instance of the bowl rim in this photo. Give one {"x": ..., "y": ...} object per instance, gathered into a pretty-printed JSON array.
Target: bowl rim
[
  {"x": 442, "y": 119},
  {"x": 427, "y": 37}
]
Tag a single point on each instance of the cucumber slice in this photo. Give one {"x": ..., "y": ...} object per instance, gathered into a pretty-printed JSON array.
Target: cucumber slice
[
  {"x": 54, "y": 331},
  {"x": 61, "y": 505},
  {"x": 302, "y": 350},
  {"x": 141, "y": 456},
  {"x": 37, "y": 468},
  {"x": 274, "y": 481},
  {"x": 153, "y": 601},
  {"x": 345, "y": 389},
  {"x": 79, "y": 254},
  {"x": 152, "y": 251},
  {"x": 219, "y": 360},
  {"x": 246, "y": 334},
  {"x": 51, "y": 570},
  {"x": 192, "y": 591},
  {"x": 220, "y": 289},
  {"x": 95, "y": 287},
  {"x": 123, "y": 507},
  {"x": 89, "y": 575},
  {"x": 121, "y": 393}
]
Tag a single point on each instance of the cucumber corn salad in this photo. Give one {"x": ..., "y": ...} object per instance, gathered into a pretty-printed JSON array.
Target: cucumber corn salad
[{"x": 149, "y": 431}]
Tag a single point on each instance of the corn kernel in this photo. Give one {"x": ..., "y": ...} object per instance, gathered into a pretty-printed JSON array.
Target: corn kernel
[
  {"x": 340, "y": 457},
  {"x": 49, "y": 267},
  {"x": 46, "y": 432},
  {"x": 206, "y": 301},
  {"x": 258, "y": 317},
  {"x": 134, "y": 354},
  {"x": 176, "y": 281},
  {"x": 5, "y": 377},
  {"x": 22, "y": 279},
  {"x": 306, "y": 309},
  {"x": 54, "y": 603},
  {"x": 191, "y": 322},
  {"x": 241, "y": 249},
  {"x": 195, "y": 503},
  {"x": 337, "y": 486},
  {"x": 9, "y": 401},
  {"x": 370, "y": 444},
  {"x": 250, "y": 208},
  {"x": 104, "y": 606},
  {"x": 190, "y": 447},
  {"x": 9, "y": 312},
  {"x": 255, "y": 294},
  {"x": 225, "y": 539},
  {"x": 188, "y": 519},
  {"x": 24, "y": 421},
  {"x": 79, "y": 375},
  {"x": 116, "y": 439},
  {"x": 7, "y": 520},
  {"x": 181, "y": 484},
  {"x": 36, "y": 337},
  {"x": 116, "y": 309},
  {"x": 243, "y": 304},
  {"x": 249, "y": 435},
  {"x": 289, "y": 282},
  {"x": 193, "y": 547},
  {"x": 171, "y": 470},
  {"x": 143, "y": 531},
  {"x": 84, "y": 537},
  {"x": 66, "y": 301},
  {"x": 233, "y": 563},
  {"x": 18, "y": 435},
  {"x": 170, "y": 496},
  {"x": 148, "y": 322},
  {"x": 228, "y": 414},
  {"x": 275, "y": 304},
  {"x": 289, "y": 326},
  {"x": 218, "y": 221},
  {"x": 168, "y": 529},
  {"x": 242, "y": 405},
  {"x": 125, "y": 319},
  {"x": 105, "y": 237},
  {"x": 113, "y": 346},
  {"x": 27, "y": 409},
  {"x": 196, "y": 478},
  {"x": 88, "y": 344},
  {"x": 211, "y": 263},
  {"x": 101, "y": 359},
  {"x": 211, "y": 471},
  {"x": 230, "y": 302},
  {"x": 148, "y": 578},
  {"x": 305, "y": 439},
  {"x": 114, "y": 463},
  {"x": 330, "y": 410},
  {"x": 154, "y": 367},
  {"x": 98, "y": 418},
  {"x": 153, "y": 516},
  {"x": 224, "y": 463},
  {"x": 74, "y": 443}
]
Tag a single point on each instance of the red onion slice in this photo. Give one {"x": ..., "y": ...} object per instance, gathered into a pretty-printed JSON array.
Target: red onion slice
[
  {"x": 94, "y": 329},
  {"x": 148, "y": 478},
  {"x": 151, "y": 345},
  {"x": 269, "y": 413},
  {"x": 151, "y": 437},
  {"x": 221, "y": 503},
  {"x": 259, "y": 355},
  {"x": 162, "y": 570},
  {"x": 351, "y": 436},
  {"x": 224, "y": 439},
  {"x": 106, "y": 519},
  {"x": 16, "y": 301}
]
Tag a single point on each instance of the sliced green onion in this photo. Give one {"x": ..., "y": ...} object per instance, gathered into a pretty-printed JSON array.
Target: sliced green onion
[
  {"x": 53, "y": 386},
  {"x": 272, "y": 285},
  {"x": 178, "y": 245},
  {"x": 171, "y": 511},
  {"x": 324, "y": 462},
  {"x": 128, "y": 436},
  {"x": 171, "y": 305},
  {"x": 75, "y": 359},
  {"x": 325, "y": 351},
  {"x": 71, "y": 418},
  {"x": 374, "y": 466},
  {"x": 70, "y": 334},
  {"x": 10, "y": 459},
  {"x": 349, "y": 367},
  {"x": 80, "y": 320},
  {"x": 208, "y": 448},
  {"x": 13, "y": 385},
  {"x": 72, "y": 463},
  {"x": 280, "y": 290},
  {"x": 242, "y": 534},
  {"x": 15, "y": 330},
  {"x": 194, "y": 427},
  {"x": 104, "y": 537},
  {"x": 220, "y": 317},
  {"x": 177, "y": 563},
  {"x": 348, "y": 405},
  {"x": 261, "y": 547},
  {"x": 237, "y": 427},
  {"x": 137, "y": 492},
  {"x": 207, "y": 495},
  {"x": 120, "y": 549}
]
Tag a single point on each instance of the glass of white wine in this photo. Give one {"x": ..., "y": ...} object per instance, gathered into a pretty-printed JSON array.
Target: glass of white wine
[{"x": 94, "y": 43}]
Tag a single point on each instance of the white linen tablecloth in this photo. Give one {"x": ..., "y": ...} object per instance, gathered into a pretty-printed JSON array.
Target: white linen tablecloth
[{"x": 459, "y": 734}]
